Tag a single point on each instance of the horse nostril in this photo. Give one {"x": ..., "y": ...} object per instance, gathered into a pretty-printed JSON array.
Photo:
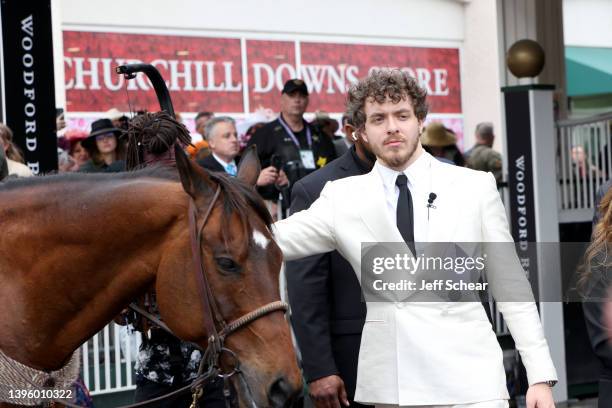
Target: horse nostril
[{"x": 282, "y": 394}]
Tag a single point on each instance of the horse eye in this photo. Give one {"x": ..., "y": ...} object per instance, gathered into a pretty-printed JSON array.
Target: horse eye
[{"x": 227, "y": 264}]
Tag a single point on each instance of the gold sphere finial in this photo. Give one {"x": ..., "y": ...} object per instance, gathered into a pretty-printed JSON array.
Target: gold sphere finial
[{"x": 525, "y": 58}]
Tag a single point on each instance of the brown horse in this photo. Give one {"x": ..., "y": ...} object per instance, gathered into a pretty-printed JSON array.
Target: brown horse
[{"x": 76, "y": 249}]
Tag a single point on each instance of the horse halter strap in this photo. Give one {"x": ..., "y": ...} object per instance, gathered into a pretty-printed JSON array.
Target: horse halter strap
[
  {"x": 209, "y": 306},
  {"x": 211, "y": 315}
]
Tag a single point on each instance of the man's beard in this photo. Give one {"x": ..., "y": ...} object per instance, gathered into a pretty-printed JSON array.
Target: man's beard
[{"x": 394, "y": 159}]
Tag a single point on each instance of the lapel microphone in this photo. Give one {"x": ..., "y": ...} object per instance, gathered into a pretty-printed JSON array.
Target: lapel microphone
[{"x": 430, "y": 200}]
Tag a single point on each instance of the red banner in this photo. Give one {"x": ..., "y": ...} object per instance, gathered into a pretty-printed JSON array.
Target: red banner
[
  {"x": 330, "y": 69},
  {"x": 206, "y": 73},
  {"x": 201, "y": 73},
  {"x": 271, "y": 64}
]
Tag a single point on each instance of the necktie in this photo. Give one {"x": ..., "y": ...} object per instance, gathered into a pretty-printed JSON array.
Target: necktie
[
  {"x": 231, "y": 169},
  {"x": 405, "y": 215}
]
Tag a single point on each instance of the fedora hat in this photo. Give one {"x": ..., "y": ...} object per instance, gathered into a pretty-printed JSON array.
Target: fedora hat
[
  {"x": 100, "y": 127},
  {"x": 436, "y": 135}
]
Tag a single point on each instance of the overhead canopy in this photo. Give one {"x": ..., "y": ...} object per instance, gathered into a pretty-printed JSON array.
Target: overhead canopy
[{"x": 588, "y": 70}]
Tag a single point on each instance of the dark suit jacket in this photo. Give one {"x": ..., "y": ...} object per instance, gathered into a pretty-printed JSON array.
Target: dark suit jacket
[
  {"x": 327, "y": 313},
  {"x": 272, "y": 140},
  {"x": 593, "y": 314},
  {"x": 210, "y": 163}
]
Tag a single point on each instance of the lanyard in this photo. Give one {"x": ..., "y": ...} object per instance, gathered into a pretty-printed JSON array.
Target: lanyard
[{"x": 290, "y": 133}]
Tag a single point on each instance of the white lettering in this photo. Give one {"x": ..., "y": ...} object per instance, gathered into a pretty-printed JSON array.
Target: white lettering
[
  {"x": 28, "y": 77},
  {"x": 175, "y": 75},
  {"x": 28, "y": 60},
  {"x": 109, "y": 74},
  {"x": 314, "y": 76},
  {"x": 34, "y": 167},
  {"x": 27, "y": 43},
  {"x": 424, "y": 78},
  {"x": 30, "y": 126},
  {"x": 257, "y": 78},
  {"x": 352, "y": 73},
  {"x": 29, "y": 109},
  {"x": 29, "y": 92},
  {"x": 31, "y": 143},
  {"x": 280, "y": 78},
  {"x": 199, "y": 75},
  {"x": 210, "y": 77},
  {"x": 440, "y": 86},
  {"x": 229, "y": 86},
  {"x": 27, "y": 25},
  {"x": 336, "y": 77},
  {"x": 520, "y": 163},
  {"x": 80, "y": 73}
]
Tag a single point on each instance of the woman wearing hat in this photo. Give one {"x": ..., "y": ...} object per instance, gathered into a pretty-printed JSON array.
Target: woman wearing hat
[
  {"x": 440, "y": 142},
  {"x": 104, "y": 148}
]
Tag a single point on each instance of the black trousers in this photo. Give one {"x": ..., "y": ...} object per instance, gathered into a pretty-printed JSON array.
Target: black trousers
[{"x": 212, "y": 396}]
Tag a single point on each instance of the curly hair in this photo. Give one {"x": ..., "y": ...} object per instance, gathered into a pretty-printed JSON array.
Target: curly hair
[
  {"x": 597, "y": 254},
  {"x": 380, "y": 85},
  {"x": 153, "y": 133}
]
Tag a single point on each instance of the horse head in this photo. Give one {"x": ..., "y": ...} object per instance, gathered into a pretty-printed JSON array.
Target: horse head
[{"x": 240, "y": 264}]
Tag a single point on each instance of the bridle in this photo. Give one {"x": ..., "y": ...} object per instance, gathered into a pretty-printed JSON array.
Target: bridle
[
  {"x": 212, "y": 318},
  {"x": 217, "y": 328}
]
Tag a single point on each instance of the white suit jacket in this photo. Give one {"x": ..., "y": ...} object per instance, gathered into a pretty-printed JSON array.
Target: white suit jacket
[{"x": 423, "y": 353}]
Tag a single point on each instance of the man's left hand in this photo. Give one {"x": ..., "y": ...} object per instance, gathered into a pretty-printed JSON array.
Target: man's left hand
[{"x": 540, "y": 396}]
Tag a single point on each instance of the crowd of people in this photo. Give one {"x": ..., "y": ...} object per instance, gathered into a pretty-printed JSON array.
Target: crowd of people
[
  {"x": 289, "y": 147},
  {"x": 324, "y": 292}
]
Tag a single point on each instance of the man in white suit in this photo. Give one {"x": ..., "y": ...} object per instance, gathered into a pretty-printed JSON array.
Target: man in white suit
[{"x": 413, "y": 354}]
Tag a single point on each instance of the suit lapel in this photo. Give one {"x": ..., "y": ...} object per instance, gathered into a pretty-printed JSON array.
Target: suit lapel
[
  {"x": 373, "y": 209},
  {"x": 442, "y": 224},
  {"x": 443, "y": 219}
]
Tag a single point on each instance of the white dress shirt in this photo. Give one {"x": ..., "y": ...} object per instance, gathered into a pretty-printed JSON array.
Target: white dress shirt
[
  {"x": 223, "y": 162},
  {"x": 419, "y": 184}
]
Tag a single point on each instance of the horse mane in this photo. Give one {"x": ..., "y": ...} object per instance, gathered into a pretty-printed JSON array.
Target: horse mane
[{"x": 239, "y": 196}]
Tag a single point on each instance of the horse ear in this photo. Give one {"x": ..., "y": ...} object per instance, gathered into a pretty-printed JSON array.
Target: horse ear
[
  {"x": 194, "y": 178},
  {"x": 249, "y": 166}
]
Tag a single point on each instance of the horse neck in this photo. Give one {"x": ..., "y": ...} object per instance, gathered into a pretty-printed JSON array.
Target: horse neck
[{"x": 70, "y": 279}]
